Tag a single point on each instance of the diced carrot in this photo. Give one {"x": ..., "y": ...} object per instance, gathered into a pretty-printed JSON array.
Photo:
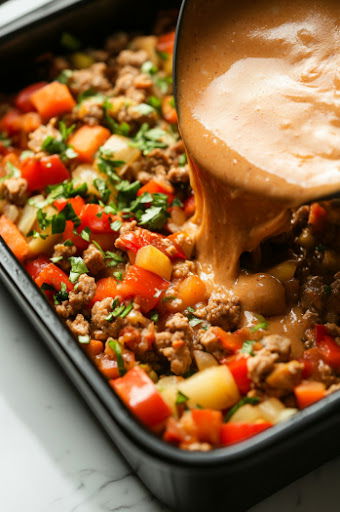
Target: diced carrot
[
  {"x": 154, "y": 187},
  {"x": 13, "y": 238},
  {"x": 168, "y": 110},
  {"x": 87, "y": 140},
  {"x": 231, "y": 341},
  {"x": 30, "y": 122},
  {"x": 23, "y": 99},
  {"x": 189, "y": 206},
  {"x": 309, "y": 392},
  {"x": 107, "y": 366},
  {"x": 52, "y": 100},
  {"x": 93, "y": 348},
  {"x": 317, "y": 217}
]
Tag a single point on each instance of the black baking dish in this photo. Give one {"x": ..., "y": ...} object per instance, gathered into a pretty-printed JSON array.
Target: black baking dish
[{"x": 234, "y": 477}]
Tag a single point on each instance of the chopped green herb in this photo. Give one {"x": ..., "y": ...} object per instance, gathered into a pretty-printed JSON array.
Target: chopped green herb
[
  {"x": 62, "y": 295},
  {"x": 86, "y": 94},
  {"x": 64, "y": 76},
  {"x": 177, "y": 202},
  {"x": 262, "y": 324},
  {"x": 163, "y": 83},
  {"x": 120, "y": 310},
  {"x": 117, "y": 349},
  {"x": 181, "y": 398},
  {"x": 115, "y": 127},
  {"x": 149, "y": 68},
  {"x": 182, "y": 160},
  {"x": 86, "y": 234},
  {"x": 148, "y": 139},
  {"x": 54, "y": 145},
  {"x": 5, "y": 140},
  {"x": 102, "y": 188},
  {"x": 116, "y": 225},
  {"x": 154, "y": 218},
  {"x": 247, "y": 347},
  {"x": 70, "y": 42},
  {"x": 245, "y": 400},
  {"x": 154, "y": 102},
  {"x": 144, "y": 109},
  {"x": 163, "y": 55},
  {"x": 114, "y": 258},
  {"x": 35, "y": 234},
  {"x": 193, "y": 319},
  {"x": 56, "y": 259},
  {"x": 12, "y": 172},
  {"x": 169, "y": 298},
  {"x": 118, "y": 275},
  {"x": 42, "y": 219},
  {"x": 68, "y": 243},
  {"x": 78, "y": 267},
  {"x": 154, "y": 316}
]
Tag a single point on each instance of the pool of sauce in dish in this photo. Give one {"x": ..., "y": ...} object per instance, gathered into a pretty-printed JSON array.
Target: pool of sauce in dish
[{"x": 258, "y": 91}]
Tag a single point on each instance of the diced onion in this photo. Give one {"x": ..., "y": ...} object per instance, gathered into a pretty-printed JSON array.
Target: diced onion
[{"x": 204, "y": 360}]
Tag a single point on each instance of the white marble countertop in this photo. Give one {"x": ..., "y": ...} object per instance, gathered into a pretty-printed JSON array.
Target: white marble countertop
[{"x": 56, "y": 458}]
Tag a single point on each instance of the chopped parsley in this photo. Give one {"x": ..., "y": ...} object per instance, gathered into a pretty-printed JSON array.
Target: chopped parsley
[
  {"x": 86, "y": 234},
  {"x": 64, "y": 76},
  {"x": 193, "y": 320},
  {"x": 12, "y": 172},
  {"x": 181, "y": 398},
  {"x": 247, "y": 347},
  {"x": 84, "y": 339},
  {"x": 262, "y": 324},
  {"x": 53, "y": 145},
  {"x": 115, "y": 127},
  {"x": 118, "y": 275},
  {"x": 144, "y": 109},
  {"x": 103, "y": 189},
  {"x": 62, "y": 295},
  {"x": 117, "y": 349},
  {"x": 119, "y": 310},
  {"x": 154, "y": 102},
  {"x": 163, "y": 83},
  {"x": 182, "y": 160},
  {"x": 149, "y": 68},
  {"x": 56, "y": 259},
  {"x": 154, "y": 316},
  {"x": 116, "y": 225},
  {"x": 114, "y": 258},
  {"x": 78, "y": 267},
  {"x": 86, "y": 94},
  {"x": 245, "y": 400},
  {"x": 148, "y": 139},
  {"x": 58, "y": 221}
]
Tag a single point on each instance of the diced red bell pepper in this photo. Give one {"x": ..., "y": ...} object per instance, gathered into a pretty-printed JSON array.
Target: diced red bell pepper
[
  {"x": 49, "y": 170},
  {"x": 232, "y": 433},
  {"x": 77, "y": 204},
  {"x": 168, "y": 110},
  {"x": 317, "y": 217},
  {"x": 11, "y": 122},
  {"x": 34, "y": 267},
  {"x": 310, "y": 361},
  {"x": 134, "y": 240},
  {"x": 209, "y": 424},
  {"x": 154, "y": 187},
  {"x": 309, "y": 392},
  {"x": 189, "y": 206},
  {"x": 52, "y": 100},
  {"x": 70, "y": 234},
  {"x": 239, "y": 370},
  {"x": 23, "y": 99},
  {"x": 93, "y": 217},
  {"x": 140, "y": 395},
  {"x": 53, "y": 276},
  {"x": 328, "y": 348},
  {"x": 174, "y": 431},
  {"x": 165, "y": 43},
  {"x": 145, "y": 286},
  {"x": 106, "y": 287}
]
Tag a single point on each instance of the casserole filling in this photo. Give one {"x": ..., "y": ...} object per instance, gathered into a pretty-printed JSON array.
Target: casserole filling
[{"x": 96, "y": 203}]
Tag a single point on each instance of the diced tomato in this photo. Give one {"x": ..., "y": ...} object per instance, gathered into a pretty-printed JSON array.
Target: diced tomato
[
  {"x": 231, "y": 341},
  {"x": 23, "y": 99},
  {"x": 140, "y": 395},
  {"x": 13, "y": 238},
  {"x": 53, "y": 276},
  {"x": 134, "y": 240},
  {"x": 189, "y": 206},
  {"x": 154, "y": 187},
  {"x": 77, "y": 204},
  {"x": 317, "y": 217},
  {"x": 106, "y": 287},
  {"x": 145, "y": 286},
  {"x": 239, "y": 369},
  {"x": 174, "y": 432},
  {"x": 166, "y": 43},
  {"x": 309, "y": 392},
  {"x": 169, "y": 110},
  {"x": 11, "y": 122},
  {"x": 34, "y": 267},
  {"x": 49, "y": 170},
  {"x": 209, "y": 424},
  {"x": 94, "y": 218},
  {"x": 52, "y": 100},
  {"x": 232, "y": 433}
]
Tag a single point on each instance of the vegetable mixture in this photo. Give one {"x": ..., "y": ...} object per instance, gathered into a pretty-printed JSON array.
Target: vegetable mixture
[{"x": 96, "y": 202}]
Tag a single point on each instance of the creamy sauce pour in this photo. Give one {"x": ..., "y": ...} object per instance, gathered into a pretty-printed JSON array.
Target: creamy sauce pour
[{"x": 259, "y": 102}]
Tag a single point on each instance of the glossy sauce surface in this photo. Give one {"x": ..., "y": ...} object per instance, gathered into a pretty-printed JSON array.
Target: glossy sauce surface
[{"x": 259, "y": 99}]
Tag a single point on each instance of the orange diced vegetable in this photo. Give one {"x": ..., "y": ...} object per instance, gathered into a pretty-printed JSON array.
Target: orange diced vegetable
[
  {"x": 52, "y": 100},
  {"x": 208, "y": 423},
  {"x": 87, "y": 140},
  {"x": 166, "y": 42},
  {"x": 168, "y": 110},
  {"x": 192, "y": 290},
  {"x": 317, "y": 217},
  {"x": 232, "y": 433},
  {"x": 13, "y": 238},
  {"x": 309, "y": 392},
  {"x": 93, "y": 348}
]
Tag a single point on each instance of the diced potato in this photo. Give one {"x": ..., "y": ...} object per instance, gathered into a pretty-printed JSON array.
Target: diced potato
[
  {"x": 29, "y": 215},
  {"x": 11, "y": 211},
  {"x": 287, "y": 413},
  {"x": 284, "y": 271},
  {"x": 204, "y": 359},
  {"x": 212, "y": 388},
  {"x": 85, "y": 173},
  {"x": 154, "y": 260},
  {"x": 247, "y": 414},
  {"x": 148, "y": 44},
  {"x": 38, "y": 246},
  {"x": 168, "y": 387},
  {"x": 271, "y": 409},
  {"x": 120, "y": 148},
  {"x": 192, "y": 290}
]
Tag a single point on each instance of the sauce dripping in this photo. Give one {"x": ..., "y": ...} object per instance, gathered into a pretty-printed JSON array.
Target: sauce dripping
[{"x": 259, "y": 98}]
